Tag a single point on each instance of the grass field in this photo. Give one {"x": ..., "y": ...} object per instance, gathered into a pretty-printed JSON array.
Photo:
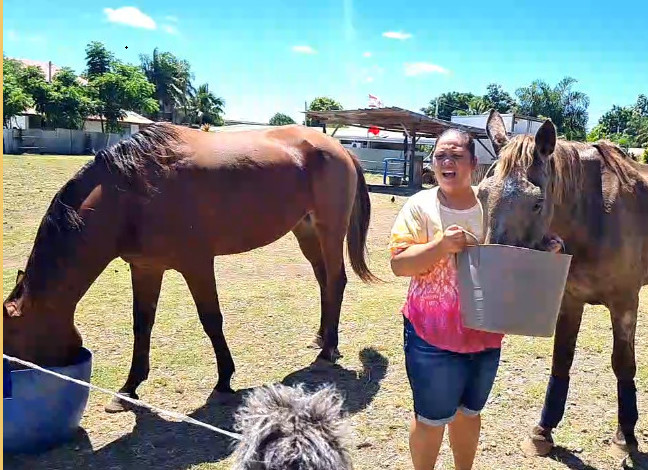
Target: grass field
[{"x": 270, "y": 302}]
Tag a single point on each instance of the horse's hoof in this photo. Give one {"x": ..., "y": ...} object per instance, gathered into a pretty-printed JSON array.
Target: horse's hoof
[
  {"x": 538, "y": 444},
  {"x": 619, "y": 448},
  {"x": 328, "y": 355},
  {"x": 119, "y": 406},
  {"x": 225, "y": 390},
  {"x": 635, "y": 461}
]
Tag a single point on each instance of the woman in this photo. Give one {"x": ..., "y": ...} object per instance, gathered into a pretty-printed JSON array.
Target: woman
[{"x": 451, "y": 368}]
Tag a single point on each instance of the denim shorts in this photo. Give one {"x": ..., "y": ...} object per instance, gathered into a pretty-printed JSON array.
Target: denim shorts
[{"x": 444, "y": 382}]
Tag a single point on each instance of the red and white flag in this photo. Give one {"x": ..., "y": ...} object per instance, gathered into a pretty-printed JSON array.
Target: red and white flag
[{"x": 375, "y": 102}]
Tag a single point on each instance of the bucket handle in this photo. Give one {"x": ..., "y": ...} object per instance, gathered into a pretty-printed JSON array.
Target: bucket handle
[{"x": 476, "y": 244}]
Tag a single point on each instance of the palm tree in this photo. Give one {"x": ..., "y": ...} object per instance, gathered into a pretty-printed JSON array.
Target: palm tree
[
  {"x": 172, "y": 79},
  {"x": 207, "y": 108}
]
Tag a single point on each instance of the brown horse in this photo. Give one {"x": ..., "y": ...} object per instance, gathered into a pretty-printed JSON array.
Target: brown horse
[
  {"x": 170, "y": 197},
  {"x": 595, "y": 199}
]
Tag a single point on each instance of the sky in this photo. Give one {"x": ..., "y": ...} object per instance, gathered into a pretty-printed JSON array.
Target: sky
[{"x": 268, "y": 56}]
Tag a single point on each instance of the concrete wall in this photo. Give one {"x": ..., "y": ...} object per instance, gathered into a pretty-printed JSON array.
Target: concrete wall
[{"x": 57, "y": 142}]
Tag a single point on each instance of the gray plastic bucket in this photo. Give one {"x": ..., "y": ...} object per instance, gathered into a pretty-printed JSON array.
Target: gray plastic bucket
[{"x": 511, "y": 290}]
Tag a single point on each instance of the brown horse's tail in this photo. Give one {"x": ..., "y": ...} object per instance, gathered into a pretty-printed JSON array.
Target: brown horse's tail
[{"x": 359, "y": 226}]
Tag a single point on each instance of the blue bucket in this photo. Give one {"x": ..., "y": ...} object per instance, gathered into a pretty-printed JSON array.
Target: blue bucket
[{"x": 42, "y": 411}]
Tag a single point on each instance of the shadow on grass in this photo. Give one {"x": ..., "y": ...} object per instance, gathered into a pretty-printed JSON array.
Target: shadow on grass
[
  {"x": 569, "y": 459},
  {"x": 636, "y": 461},
  {"x": 160, "y": 444}
]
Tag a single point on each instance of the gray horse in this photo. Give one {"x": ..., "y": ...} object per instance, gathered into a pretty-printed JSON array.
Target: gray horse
[{"x": 595, "y": 198}]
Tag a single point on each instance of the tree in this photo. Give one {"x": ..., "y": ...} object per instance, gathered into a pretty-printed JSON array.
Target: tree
[
  {"x": 449, "y": 104},
  {"x": 566, "y": 108},
  {"x": 33, "y": 81},
  {"x": 68, "y": 105},
  {"x": 499, "y": 99},
  {"x": 598, "y": 132},
  {"x": 627, "y": 125},
  {"x": 15, "y": 99},
  {"x": 172, "y": 80},
  {"x": 642, "y": 105},
  {"x": 617, "y": 119},
  {"x": 206, "y": 108},
  {"x": 280, "y": 119},
  {"x": 322, "y": 103},
  {"x": 98, "y": 59},
  {"x": 123, "y": 87}
]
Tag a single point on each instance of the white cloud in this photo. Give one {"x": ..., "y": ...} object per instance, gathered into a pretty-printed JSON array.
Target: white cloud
[
  {"x": 368, "y": 80},
  {"x": 419, "y": 68},
  {"x": 304, "y": 49},
  {"x": 397, "y": 35},
  {"x": 366, "y": 54},
  {"x": 170, "y": 29},
  {"x": 130, "y": 16},
  {"x": 173, "y": 19},
  {"x": 12, "y": 35}
]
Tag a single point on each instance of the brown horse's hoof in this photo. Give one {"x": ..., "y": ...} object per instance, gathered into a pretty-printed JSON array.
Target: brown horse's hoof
[
  {"x": 327, "y": 357},
  {"x": 538, "y": 444},
  {"x": 225, "y": 390},
  {"x": 119, "y": 406}
]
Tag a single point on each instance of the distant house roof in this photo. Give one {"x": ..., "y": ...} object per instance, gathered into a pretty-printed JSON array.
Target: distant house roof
[
  {"x": 48, "y": 67},
  {"x": 131, "y": 117}
]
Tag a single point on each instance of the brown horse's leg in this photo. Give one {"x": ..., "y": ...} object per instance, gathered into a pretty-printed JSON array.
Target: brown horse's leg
[
  {"x": 336, "y": 280},
  {"x": 540, "y": 442},
  {"x": 624, "y": 321},
  {"x": 146, "y": 284},
  {"x": 310, "y": 246},
  {"x": 202, "y": 284}
]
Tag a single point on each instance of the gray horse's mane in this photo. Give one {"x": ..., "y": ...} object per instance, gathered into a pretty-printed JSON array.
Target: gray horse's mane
[{"x": 287, "y": 428}]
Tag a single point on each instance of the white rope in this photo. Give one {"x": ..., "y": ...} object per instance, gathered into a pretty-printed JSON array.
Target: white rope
[{"x": 172, "y": 414}]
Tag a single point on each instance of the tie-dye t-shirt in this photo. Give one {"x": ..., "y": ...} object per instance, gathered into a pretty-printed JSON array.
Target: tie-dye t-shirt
[{"x": 432, "y": 304}]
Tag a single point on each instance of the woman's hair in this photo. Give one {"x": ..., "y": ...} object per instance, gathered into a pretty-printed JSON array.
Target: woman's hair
[{"x": 467, "y": 139}]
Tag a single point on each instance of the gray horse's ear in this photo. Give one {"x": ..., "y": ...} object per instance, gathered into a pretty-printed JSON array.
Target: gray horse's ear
[
  {"x": 496, "y": 131},
  {"x": 545, "y": 140},
  {"x": 20, "y": 276}
]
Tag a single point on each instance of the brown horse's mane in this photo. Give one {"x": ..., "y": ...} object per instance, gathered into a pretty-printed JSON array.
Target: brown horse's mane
[
  {"x": 127, "y": 160},
  {"x": 566, "y": 163}
]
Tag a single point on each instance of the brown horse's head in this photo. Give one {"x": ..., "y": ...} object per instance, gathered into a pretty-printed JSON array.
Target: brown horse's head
[
  {"x": 12, "y": 306},
  {"x": 518, "y": 200},
  {"x": 18, "y": 327}
]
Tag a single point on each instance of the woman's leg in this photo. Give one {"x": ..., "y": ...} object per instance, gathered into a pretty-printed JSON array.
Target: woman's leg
[
  {"x": 465, "y": 430},
  {"x": 437, "y": 378},
  {"x": 425, "y": 442},
  {"x": 463, "y": 433}
]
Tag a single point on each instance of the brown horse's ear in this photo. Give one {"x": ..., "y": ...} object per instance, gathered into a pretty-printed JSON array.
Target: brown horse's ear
[
  {"x": 20, "y": 276},
  {"x": 496, "y": 131},
  {"x": 545, "y": 140},
  {"x": 10, "y": 309}
]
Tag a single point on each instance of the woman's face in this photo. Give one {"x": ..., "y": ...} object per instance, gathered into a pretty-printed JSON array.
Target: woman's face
[{"x": 453, "y": 163}]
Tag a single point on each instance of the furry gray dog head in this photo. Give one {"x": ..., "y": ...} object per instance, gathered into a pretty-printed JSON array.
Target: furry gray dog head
[{"x": 287, "y": 428}]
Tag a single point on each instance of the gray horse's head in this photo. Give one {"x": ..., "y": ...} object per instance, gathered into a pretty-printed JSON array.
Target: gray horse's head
[{"x": 518, "y": 200}]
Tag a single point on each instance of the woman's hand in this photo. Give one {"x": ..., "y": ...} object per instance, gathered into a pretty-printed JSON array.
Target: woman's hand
[{"x": 454, "y": 239}]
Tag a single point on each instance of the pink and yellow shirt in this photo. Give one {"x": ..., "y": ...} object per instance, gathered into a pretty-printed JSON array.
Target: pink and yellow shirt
[{"x": 432, "y": 304}]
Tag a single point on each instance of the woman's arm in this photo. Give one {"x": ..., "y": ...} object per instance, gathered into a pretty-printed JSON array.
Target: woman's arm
[{"x": 417, "y": 259}]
